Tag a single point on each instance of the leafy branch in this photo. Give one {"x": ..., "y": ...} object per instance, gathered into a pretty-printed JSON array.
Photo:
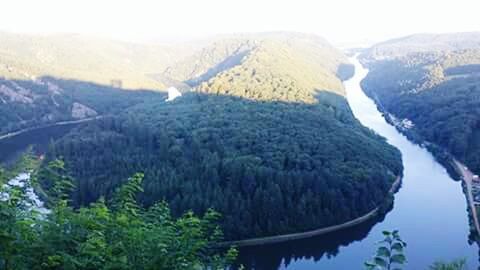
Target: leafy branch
[{"x": 390, "y": 254}]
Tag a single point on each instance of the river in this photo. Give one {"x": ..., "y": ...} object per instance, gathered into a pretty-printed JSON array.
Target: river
[{"x": 430, "y": 211}]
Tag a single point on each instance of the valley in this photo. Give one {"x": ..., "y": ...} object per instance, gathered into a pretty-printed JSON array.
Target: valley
[
  {"x": 275, "y": 143},
  {"x": 425, "y": 184}
]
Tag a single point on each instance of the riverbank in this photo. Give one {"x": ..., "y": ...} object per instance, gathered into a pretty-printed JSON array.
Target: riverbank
[
  {"x": 439, "y": 153},
  {"x": 13, "y": 134},
  {"x": 302, "y": 235}
]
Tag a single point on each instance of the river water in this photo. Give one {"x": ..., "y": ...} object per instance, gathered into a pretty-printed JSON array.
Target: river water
[{"x": 430, "y": 211}]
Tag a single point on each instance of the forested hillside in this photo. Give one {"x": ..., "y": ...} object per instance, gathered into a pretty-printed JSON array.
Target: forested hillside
[
  {"x": 439, "y": 91},
  {"x": 269, "y": 142},
  {"x": 424, "y": 43},
  {"x": 48, "y": 100},
  {"x": 269, "y": 168},
  {"x": 45, "y": 79},
  {"x": 274, "y": 71},
  {"x": 234, "y": 60}
]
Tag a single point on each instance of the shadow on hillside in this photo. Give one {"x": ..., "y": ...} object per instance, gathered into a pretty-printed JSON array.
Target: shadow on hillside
[
  {"x": 94, "y": 93},
  {"x": 229, "y": 62},
  {"x": 37, "y": 105},
  {"x": 47, "y": 100}
]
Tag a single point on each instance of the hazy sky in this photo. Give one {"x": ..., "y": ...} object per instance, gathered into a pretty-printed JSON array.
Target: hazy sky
[{"x": 338, "y": 20}]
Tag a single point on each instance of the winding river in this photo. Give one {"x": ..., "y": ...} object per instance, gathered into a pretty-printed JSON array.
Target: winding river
[{"x": 430, "y": 211}]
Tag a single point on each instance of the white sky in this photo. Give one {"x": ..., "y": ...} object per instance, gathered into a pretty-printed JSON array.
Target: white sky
[{"x": 339, "y": 21}]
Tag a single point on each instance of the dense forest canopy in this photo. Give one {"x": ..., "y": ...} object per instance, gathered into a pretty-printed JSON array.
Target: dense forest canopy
[
  {"x": 273, "y": 71},
  {"x": 269, "y": 168},
  {"x": 439, "y": 91},
  {"x": 259, "y": 62}
]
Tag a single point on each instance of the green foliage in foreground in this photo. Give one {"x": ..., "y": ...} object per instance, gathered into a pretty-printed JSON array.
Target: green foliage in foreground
[
  {"x": 390, "y": 253},
  {"x": 104, "y": 235}
]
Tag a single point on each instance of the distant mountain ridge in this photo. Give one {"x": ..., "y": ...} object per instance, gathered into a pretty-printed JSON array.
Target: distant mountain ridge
[{"x": 425, "y": 43}]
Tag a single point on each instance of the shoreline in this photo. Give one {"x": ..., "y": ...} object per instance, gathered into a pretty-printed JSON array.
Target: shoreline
[
  {"x": 307, "y": 234},
  {"x": 455, "y": 169},
  {"x": 441, "y": 155},
  {"x": 61, "y": 123}
]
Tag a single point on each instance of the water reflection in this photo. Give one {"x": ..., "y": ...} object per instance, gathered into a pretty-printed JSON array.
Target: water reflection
[{"x": 281, "y": 255}]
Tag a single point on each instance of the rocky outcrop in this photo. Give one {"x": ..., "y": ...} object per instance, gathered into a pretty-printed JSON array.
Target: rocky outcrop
[
  {"x": 14, "y": 96},
  {"x": 80, "y": 111}
]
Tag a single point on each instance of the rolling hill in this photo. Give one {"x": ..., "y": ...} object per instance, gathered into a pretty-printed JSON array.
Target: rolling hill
[{"x": 425, "y": 43}]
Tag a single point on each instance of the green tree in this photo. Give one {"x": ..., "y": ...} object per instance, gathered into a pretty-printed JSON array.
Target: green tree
[{"x": 59, "y": 184}]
